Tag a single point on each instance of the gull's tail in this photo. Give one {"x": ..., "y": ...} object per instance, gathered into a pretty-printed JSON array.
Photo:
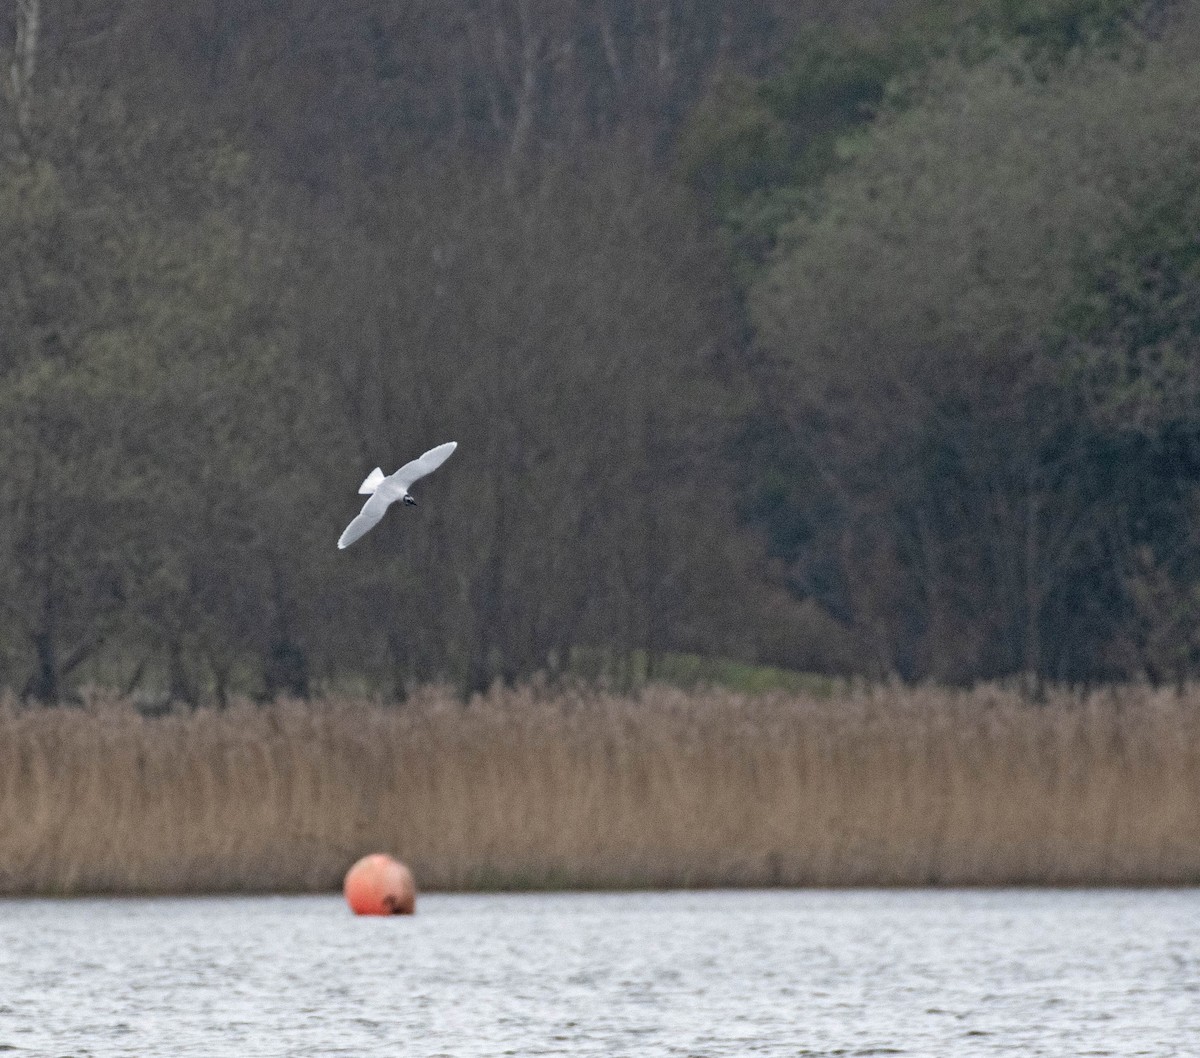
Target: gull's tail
[{"x": 372, "y": 482}]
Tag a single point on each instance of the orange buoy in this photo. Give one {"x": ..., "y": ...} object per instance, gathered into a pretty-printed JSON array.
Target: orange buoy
[{"x": 380, "y": 885}]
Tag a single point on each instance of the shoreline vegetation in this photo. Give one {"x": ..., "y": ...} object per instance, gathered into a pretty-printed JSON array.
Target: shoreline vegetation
[{"x": 542, "y": 789}]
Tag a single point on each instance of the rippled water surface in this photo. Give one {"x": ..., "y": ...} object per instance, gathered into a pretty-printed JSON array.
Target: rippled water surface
[{"x": 718, "y": 973}]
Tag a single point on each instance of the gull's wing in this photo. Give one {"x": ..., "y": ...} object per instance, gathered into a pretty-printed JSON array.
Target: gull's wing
[
  {"x": 367, "y": 519},
  {"x": 372, "y": 482},
  {"x": 422, "y": 465}
]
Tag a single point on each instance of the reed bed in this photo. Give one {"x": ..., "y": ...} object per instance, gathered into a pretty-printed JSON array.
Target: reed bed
[{"x": 581, "y": 789}]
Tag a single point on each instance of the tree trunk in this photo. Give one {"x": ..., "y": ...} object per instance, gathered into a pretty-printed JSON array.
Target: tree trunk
[
  {"x": 43, "y": 685},
  {"x": 24, "y": 61}
]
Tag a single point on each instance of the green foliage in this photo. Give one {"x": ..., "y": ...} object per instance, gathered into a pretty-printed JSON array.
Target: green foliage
[
  {"x": 965, "y": 506},
  {"x": 757, "y": 151},
  {"x": 752, "y": 149},
  {"x": 225, "y": 362},
  {"x": 639, "y": 668},
  {"x": 140, "y": 337},
  {"x": 691, "y": 670},
  {"x": 1127, "y": 344},
  {"x": 1053, "y": 29},
  {"x": 1129, "y": 340}
]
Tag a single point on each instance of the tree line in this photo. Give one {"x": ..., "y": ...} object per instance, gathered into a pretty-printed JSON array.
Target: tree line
[{"x": 852, "y": 338}]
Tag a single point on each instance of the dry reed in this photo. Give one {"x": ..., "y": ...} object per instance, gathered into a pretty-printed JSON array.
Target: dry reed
[{"x": 525, "y": 788}]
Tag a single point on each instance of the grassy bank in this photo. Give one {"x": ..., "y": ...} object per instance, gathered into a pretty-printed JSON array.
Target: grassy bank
[{"x": 892, "y": 787}]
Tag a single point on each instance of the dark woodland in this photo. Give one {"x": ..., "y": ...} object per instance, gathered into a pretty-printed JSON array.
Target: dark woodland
[{"x": 859, "y": 339}]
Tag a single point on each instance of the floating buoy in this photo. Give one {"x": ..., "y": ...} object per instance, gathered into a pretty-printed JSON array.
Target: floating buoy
[{"x": 380, "y": 885}]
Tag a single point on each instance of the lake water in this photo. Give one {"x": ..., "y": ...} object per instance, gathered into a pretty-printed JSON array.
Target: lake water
[{"x": 788, "y": 973}]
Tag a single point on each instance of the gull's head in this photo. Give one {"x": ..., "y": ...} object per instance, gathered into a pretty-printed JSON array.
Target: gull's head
[{"x": 409, "y": 500}]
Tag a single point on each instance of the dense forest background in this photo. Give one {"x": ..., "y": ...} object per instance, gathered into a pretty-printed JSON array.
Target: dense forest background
[{"x": 848, "y": 337}]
